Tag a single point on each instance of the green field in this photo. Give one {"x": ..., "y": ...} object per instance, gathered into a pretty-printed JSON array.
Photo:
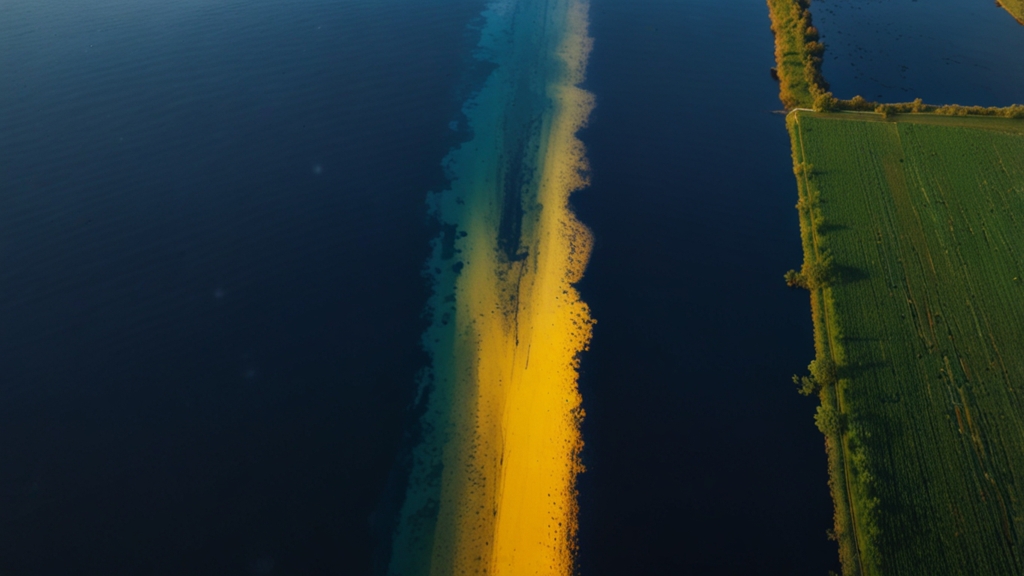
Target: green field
[{"x": 913, "y": 233}]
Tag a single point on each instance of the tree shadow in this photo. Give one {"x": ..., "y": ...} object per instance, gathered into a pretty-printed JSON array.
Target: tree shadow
[
  {"x": 848, "y": 274},
  {"x": 861, "y": 339},
  {"x": 831, "y": 227},
  {"x": 856, "y": 369}
]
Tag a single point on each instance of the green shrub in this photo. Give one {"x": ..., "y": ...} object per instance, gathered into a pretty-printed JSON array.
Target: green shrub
[
  {"x": 806, "y": 385},
  {"x": 825, "y": 102},
  {"x": 827, "y": 421}
]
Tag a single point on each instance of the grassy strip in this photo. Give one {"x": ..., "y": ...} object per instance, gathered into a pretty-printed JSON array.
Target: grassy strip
[
  {"x": 1014, "y": 7},
  {"x": 816, "y": 275},
  {"x": 798, "y": 56},
  {"x": 989, "y": 123},
  {"x": 797, "y": 53}
]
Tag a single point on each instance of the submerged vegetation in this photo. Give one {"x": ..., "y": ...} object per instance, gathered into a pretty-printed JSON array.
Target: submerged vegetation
[
  {"x": 491, "y": 487},
  {"x": 910, "y": 223}
]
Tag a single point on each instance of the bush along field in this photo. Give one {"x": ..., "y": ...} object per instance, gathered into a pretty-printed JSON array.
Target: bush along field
[
  {"x": 912, "y": 222},
  {"x": 826, "y": 102},
  {"x": 816, "y": 276}
]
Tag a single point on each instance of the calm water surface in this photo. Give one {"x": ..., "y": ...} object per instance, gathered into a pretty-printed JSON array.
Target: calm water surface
[
  {"x": 943, "y": 51},
  {"x": 212, "y": 227},
  {"x": 701, "y": 457}
]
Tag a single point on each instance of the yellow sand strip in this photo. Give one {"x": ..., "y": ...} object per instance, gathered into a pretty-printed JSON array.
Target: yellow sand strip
[{"x": 503, "y": 416}]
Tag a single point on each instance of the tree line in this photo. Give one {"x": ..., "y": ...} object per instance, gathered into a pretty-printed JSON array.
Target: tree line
[{"x": 826, "y": 102}]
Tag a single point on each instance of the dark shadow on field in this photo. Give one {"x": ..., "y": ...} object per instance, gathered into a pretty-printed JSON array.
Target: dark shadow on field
[
  {"x": 830, "y": 227},
  {"x": 853, "y": 370},
  {"x": 848, "y": 274},
  {"x": 875, "y": 412},
  {"x": 860, "y": 339}
]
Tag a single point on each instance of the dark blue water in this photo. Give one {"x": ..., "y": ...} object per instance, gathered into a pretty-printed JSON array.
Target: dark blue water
[
  {"x": 212, "y": 227},
  {"x": 943, "y": 51},
  {"x": 701, "y": 458}
]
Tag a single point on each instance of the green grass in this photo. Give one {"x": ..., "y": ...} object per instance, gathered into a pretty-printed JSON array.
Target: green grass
[
  {"x": 920, "y": 224},
  {"x": 1014, "y": 7}
]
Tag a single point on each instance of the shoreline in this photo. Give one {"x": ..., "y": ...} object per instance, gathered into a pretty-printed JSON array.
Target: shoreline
[{"x": 856, "y": 509}]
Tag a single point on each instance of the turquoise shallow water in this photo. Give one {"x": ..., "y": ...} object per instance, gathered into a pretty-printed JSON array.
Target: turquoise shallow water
[{"x": 491, "y": 486}]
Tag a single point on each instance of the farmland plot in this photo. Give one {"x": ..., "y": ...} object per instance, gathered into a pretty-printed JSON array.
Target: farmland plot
[{"x": 921, "y": 224}]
